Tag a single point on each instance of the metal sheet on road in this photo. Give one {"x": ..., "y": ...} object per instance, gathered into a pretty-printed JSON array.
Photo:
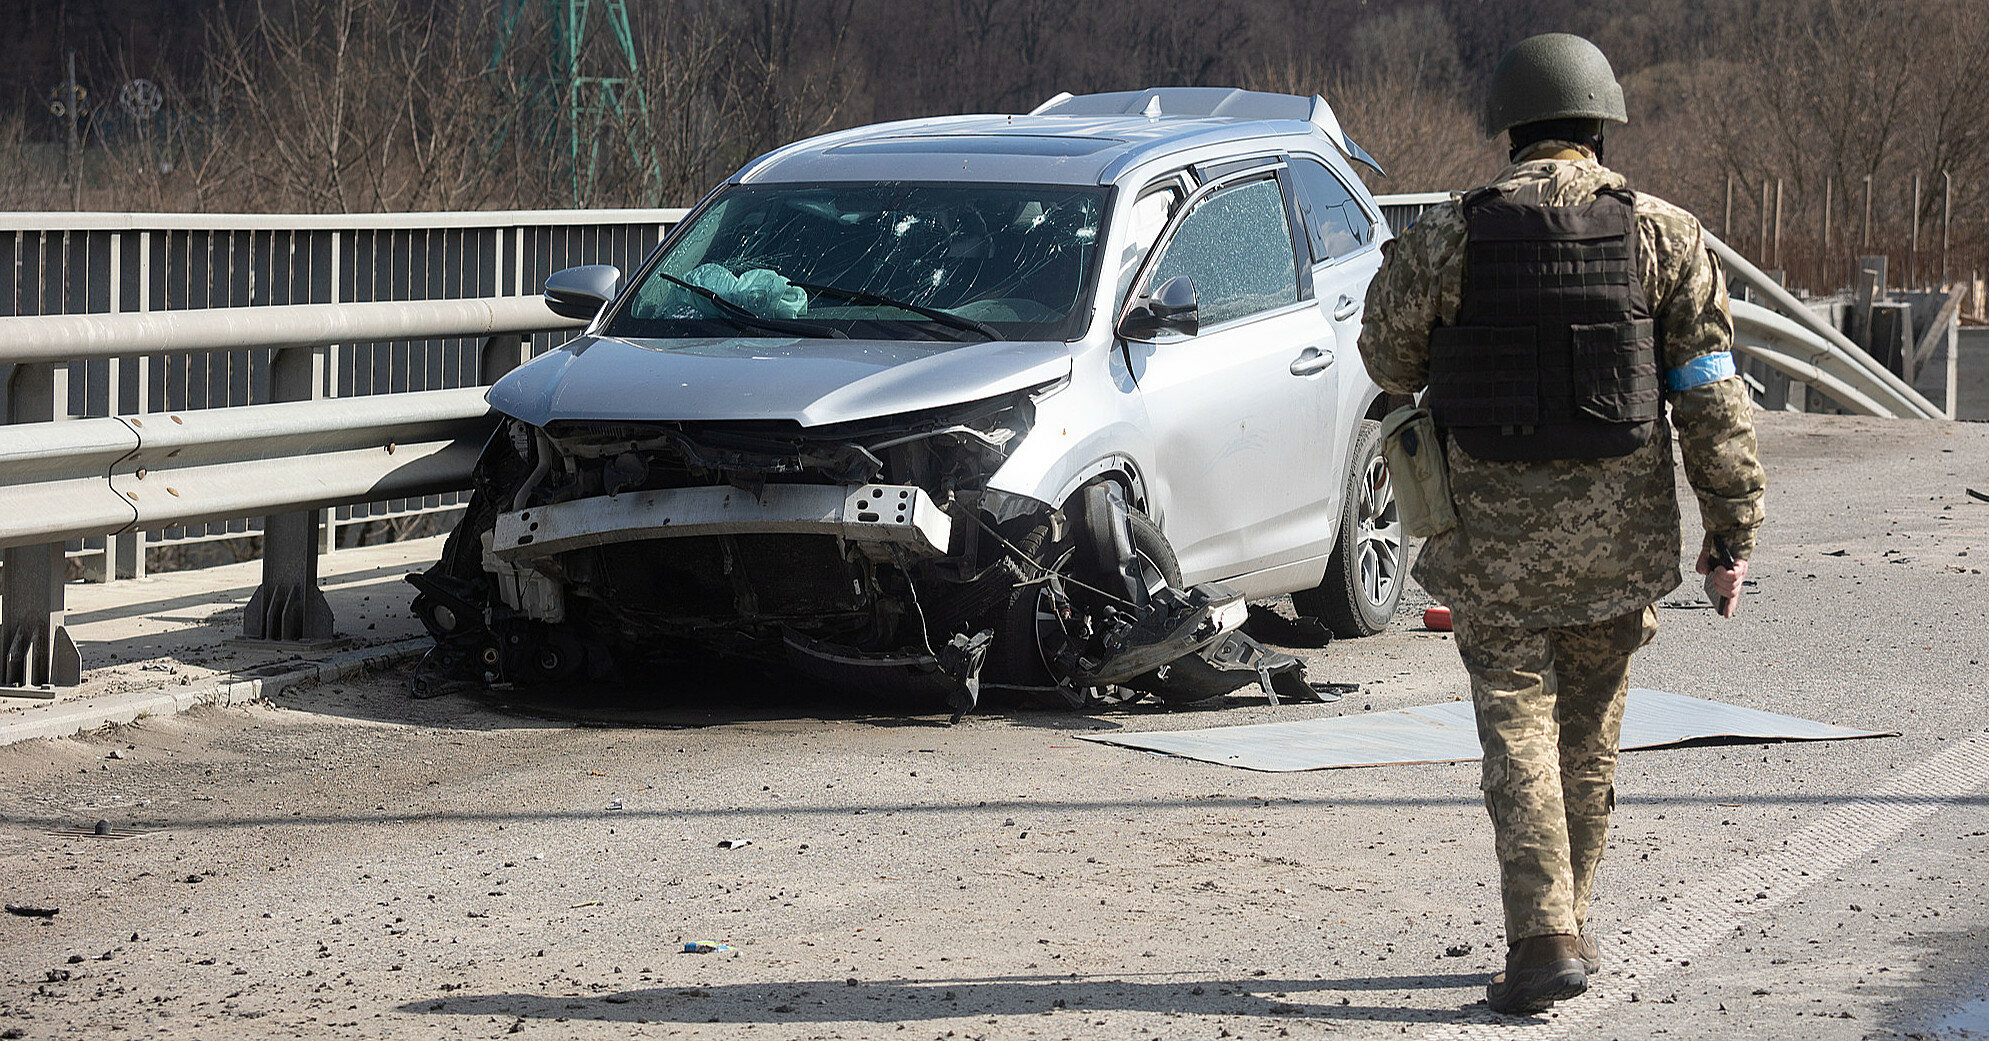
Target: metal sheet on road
[{"x": 1447, "y": 734}]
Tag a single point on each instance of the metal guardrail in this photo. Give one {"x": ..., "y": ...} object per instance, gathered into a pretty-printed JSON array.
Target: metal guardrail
[
  {"x": 286, "y": 460},
  {"x": 1791, "y": 337},
  {"x": 146, "y": 473},
  {"x": 69, "y": 338},
  {"x": 133, "y": 263}
]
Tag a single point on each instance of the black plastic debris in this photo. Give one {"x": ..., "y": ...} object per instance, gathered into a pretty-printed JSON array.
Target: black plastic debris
[{"x": 1267, "y": 625}]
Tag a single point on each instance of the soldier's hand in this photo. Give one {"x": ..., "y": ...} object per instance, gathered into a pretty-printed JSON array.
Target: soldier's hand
[{"x": 1722, "y": 583}]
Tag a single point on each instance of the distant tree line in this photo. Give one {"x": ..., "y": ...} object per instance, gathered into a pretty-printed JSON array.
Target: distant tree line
[{"x": 1769, "y": 118}]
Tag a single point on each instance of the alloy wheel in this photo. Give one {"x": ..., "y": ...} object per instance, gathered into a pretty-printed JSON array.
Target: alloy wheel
[{"x": 1378, "y": 537}]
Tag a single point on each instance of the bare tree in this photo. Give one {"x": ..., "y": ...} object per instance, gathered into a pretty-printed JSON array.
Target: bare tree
[
  {"x": 788, "y": 73},
  {"x": 693, "y": 119},
  {"x": 1401, "y": 101},
  {"x": 166, "y": 160},
  {"x": 30, "y": 176},
  {"x": 355, "y": 105}
]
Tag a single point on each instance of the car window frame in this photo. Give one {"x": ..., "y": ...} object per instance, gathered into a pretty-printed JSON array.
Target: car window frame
[
  {"x": 1274, "y": 171},
  {"x": 1374, "y": 221},
  {"x": 1175, "y": 181},
  {"x": 1301, "y": 238}
]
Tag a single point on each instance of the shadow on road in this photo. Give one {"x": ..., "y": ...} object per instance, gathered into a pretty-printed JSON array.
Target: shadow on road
[
  {"x": 899, "y": 1001},
  {"x": 691, "y": 695}
]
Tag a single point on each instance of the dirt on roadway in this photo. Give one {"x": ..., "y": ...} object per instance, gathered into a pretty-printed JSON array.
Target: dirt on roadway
[{"x": 348, "y": 863}]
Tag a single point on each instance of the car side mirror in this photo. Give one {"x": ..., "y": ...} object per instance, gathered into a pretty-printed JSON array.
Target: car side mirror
[
  {"x": 1173, "y": 306},
  {"x": 581, "y": 292}
]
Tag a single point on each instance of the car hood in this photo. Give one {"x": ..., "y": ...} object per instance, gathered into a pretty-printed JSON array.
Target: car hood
[{"x": 814, "y": 382}]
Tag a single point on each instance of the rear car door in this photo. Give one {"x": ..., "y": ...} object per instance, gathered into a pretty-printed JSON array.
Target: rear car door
[
  {"x": 1340, "y": 235},
  {"x": 1240, "y": 412}
]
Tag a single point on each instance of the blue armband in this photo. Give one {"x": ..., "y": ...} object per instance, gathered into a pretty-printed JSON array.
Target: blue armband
[{"x": 1706, "y": 368}]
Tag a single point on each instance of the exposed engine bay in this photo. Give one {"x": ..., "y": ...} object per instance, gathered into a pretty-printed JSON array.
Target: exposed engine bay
[{"x": 870, "y": 556}]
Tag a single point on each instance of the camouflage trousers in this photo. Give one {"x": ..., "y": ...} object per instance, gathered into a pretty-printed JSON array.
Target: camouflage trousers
[{"x": 1549, "y": 704}]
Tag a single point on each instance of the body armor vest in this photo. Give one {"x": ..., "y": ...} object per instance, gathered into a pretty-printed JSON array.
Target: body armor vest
[{"x": 1554, "y": 354}]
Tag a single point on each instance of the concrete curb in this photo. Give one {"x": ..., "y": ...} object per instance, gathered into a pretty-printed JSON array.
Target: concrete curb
[{"x": 57, "y": 720}]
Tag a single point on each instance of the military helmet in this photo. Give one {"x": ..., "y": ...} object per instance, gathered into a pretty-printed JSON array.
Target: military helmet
[{"x": 1552, "y": 76}]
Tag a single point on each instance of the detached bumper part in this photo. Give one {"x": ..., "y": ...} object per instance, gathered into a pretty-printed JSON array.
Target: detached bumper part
[
  {"x": 1230, "y": 663},
  {"x": 880, "y": 519},
  {"x": 1189, "y": 647},
  {"x": 1277, "y": 673},
  {"x": 1171, "y": 625}
]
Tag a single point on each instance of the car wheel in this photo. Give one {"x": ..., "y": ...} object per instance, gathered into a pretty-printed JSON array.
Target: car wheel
[
  {"x": 1364, "y": 578},
  {"x": 1047, "y": 620}
]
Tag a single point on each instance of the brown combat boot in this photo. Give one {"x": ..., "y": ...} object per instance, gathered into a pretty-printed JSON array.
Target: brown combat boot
[
  {"x": 1590, "y": 953},
  {"x": 1540, "y": 970}
]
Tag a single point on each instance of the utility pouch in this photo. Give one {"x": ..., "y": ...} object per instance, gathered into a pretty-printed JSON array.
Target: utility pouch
[
  {"x": 1417, "y": 467},
  {"x": 1616, "y": 372}
]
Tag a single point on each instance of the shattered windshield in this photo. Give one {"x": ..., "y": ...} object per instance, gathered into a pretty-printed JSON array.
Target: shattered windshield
[{"x": 965, "y": 262}]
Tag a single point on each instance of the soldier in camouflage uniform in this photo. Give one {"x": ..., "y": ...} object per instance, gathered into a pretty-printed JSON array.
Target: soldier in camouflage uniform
[{"x": 1555, "y": 561}]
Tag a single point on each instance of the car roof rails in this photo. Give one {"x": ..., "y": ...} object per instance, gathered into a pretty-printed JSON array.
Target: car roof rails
[{"x": 1211, "y": 103}]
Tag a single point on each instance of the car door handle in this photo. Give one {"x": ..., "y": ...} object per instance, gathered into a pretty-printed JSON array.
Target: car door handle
[
  {"x": 1311, "y": 360},
  {"x": 1346, "y": 308}
]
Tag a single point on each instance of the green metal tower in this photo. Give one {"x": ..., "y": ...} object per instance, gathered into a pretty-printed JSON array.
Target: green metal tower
[{"x": 582, "y": 103}]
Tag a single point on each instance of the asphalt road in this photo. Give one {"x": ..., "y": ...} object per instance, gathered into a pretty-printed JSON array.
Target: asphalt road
[{"x": 349, "y": 863}]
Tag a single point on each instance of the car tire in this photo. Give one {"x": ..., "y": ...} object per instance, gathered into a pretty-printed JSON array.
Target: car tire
[
  {"x": 1364, "y": 578},
  {"x": 1021, "y": 656}
]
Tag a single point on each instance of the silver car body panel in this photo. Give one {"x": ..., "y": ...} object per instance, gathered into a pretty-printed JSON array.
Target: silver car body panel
[
  {"x": 875, "y": 517},
  {"x": 813, "y": 382}
]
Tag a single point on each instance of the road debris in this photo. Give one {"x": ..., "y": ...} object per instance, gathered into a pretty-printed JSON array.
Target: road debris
[
  {"x": 734, "y": 843},
  {"x": 1267, "y": 625},
  {"x": 33, "y": 912},
  {"x": 1327, "y": 693},
  {"x": 705, "y": 947}
]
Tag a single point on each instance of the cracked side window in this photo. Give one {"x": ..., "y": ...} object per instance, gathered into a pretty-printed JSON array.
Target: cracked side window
[
  {"x": 1237, "y": 249},
  {"x": 1333, "y": 220}
]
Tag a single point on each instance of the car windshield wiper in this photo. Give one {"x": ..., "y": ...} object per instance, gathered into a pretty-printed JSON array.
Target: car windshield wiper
[
  {"x": 865, "y": 296},
  {"x": 743, "y": 316}
]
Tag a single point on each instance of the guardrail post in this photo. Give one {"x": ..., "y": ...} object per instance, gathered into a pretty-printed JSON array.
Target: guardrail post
[
  {"x": 36, "y": 651},
  {"x": 501, "y": 354},
  {"x": 288, "y": 605}
]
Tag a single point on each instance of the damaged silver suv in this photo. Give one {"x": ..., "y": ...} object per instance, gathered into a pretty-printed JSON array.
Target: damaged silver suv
[{"x": 1030, "y": 402}]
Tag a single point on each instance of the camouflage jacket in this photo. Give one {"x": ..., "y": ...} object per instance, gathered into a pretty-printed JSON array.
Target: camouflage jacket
[{"x": 1572, "y": 541}]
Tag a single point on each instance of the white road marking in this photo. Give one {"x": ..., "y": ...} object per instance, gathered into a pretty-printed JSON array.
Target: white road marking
[{"x": 1691, "y": 923}]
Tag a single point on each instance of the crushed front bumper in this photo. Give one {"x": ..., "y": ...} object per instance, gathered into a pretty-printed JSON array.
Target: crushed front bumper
[{"x": 879, "y": 519}]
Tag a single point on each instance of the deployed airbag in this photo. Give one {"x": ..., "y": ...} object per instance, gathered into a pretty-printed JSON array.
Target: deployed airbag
[{"x": 763, "y": 291}]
